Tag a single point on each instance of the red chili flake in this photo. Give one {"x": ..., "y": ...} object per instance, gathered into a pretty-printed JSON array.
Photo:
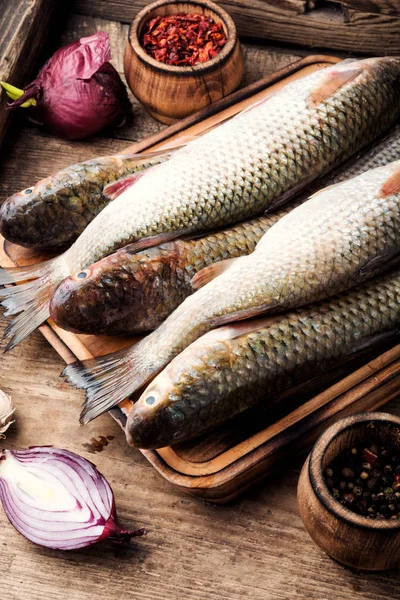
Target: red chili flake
[
  {"x": 369, "y": 456},
  {"x": 183, "y": 39}
]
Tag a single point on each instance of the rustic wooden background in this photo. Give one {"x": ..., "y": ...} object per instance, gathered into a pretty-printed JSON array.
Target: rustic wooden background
[{"x": 255, "y": 548}]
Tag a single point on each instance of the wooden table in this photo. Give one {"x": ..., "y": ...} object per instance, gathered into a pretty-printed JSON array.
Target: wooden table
[{"x": 255, "y": 548}]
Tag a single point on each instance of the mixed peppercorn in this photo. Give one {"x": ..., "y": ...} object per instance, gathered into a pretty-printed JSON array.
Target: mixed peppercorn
[
  {"x": 367, "y": 481},
  {"x": 183, "y": 39}
]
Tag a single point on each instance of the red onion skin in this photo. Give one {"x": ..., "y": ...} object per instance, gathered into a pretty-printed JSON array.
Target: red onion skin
[
  {"x": 78, "y": 92},
  {"x": 61, "y": 529}
]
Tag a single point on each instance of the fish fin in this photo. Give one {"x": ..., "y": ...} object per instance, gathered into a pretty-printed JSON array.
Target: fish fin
[
  {"x": 209, "y": 273},
  {"x": 115, "y": 188},
  {"x": 108, "y": 380},
  {"x": 391, "y": 186},
  {"x": 163, "y": 152},
  {"x": 234, "y": 330},
  {"x": 155, "y": 240},
  {"x": 385, "y": 261},
  {"x": 332, "y": 83},
  {"x": 17, "y": 274},
  {"x": 29, "y": 301},
  {"x": 240, "y": 315}
]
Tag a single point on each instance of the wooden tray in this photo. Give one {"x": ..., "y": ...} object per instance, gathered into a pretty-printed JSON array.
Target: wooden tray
[{"x": 222, "y": 464}]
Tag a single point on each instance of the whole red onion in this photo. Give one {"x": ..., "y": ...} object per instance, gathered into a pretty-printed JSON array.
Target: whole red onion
[{"x": 78, "y": 92}]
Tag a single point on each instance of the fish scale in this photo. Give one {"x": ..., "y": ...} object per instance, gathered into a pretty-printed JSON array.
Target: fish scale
[
  {"x": 56, "y": 210},
  {"x": 128, "y": 292},
  {"x": 226, "y": 371},
  {"x": 307, "y": 255},
  {"x": 164, "y": 204},
  {"x": 240, "y": 144}
]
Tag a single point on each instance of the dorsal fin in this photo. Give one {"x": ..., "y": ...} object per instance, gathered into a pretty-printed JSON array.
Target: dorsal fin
[
  {"x": 245, "y": 313},
  {"x": 115, "y": 188},
  {"x": 211, "y": 272},
  {"x": 239, "y": 328},
  {"x": 332, "y": 82},
  {"x": 391, "y": 185},
  {"x": 156, "y": 240}
]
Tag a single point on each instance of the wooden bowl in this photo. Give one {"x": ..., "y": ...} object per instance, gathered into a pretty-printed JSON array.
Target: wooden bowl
[
  {"x": 349, "y": 538},
  {"x": 171, "y": 92}
]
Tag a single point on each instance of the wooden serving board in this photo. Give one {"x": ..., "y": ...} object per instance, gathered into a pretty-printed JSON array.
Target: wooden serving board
[{"x": 220, "y": 465}]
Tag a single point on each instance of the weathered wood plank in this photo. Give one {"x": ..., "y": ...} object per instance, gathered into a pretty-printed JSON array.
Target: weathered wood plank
[
  {"x": 296, "y": 6},
  {"x": 324, "y": 27},
  {"x": 35, "y": 154},
  {"x": 258, "y": 64},
  {"x": 385, "y": 7},
  {"x": 23, "y": 30},
  {"x": 256, "y": 548},
  {"x": 367, "y": 20}
]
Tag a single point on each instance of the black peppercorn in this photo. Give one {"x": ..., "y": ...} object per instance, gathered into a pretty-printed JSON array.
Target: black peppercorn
[
  {"x": 367, "y": 480},
  {"x": 348, "y": 473}
]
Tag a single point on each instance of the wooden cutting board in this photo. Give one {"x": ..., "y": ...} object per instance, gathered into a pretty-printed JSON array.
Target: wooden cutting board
[{"x": 220, "y": 465}]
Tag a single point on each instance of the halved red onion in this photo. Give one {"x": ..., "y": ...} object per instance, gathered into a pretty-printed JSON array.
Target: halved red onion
[{"x": 58, "y": 499}]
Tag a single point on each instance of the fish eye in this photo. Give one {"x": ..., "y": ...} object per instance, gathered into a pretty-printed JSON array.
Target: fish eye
[
  {"x": 82, "y": 275},
  {"x": 150, "y": 400},
  {"x": 28, "y": 191}
]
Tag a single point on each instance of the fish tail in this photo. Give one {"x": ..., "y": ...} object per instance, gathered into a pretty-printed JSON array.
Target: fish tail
[
  {"x": 108, "y": 380},
  {"x": 29, "y": 300},
  {"x": 18, "y": 274}
]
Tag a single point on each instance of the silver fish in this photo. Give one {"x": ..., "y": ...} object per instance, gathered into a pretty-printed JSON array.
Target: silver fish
[
  {"x": 232, "y": 368},
  {"x": 128, "y": 293},
  {"x": 340, "y": 237},
  {"x": 257, "y": 160}
]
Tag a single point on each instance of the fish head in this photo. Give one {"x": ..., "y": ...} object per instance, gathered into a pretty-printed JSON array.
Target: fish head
[
  {"x": 119, "y": 289},
  {"x": 13, "y": 206},
  {"x": 23, "y": 208},
  {"x": 172, "y": 406},
  {"x": 150, "y": 420},
  {"x": 86, "y": 300}
]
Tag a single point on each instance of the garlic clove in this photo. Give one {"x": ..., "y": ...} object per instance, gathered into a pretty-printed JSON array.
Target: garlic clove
[{"x": 6, "y": 411}]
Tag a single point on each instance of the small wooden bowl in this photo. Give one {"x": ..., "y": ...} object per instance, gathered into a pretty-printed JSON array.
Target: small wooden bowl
[
  {"x": 171, "y": 92},
  {"x": 349, "y": 538}
]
